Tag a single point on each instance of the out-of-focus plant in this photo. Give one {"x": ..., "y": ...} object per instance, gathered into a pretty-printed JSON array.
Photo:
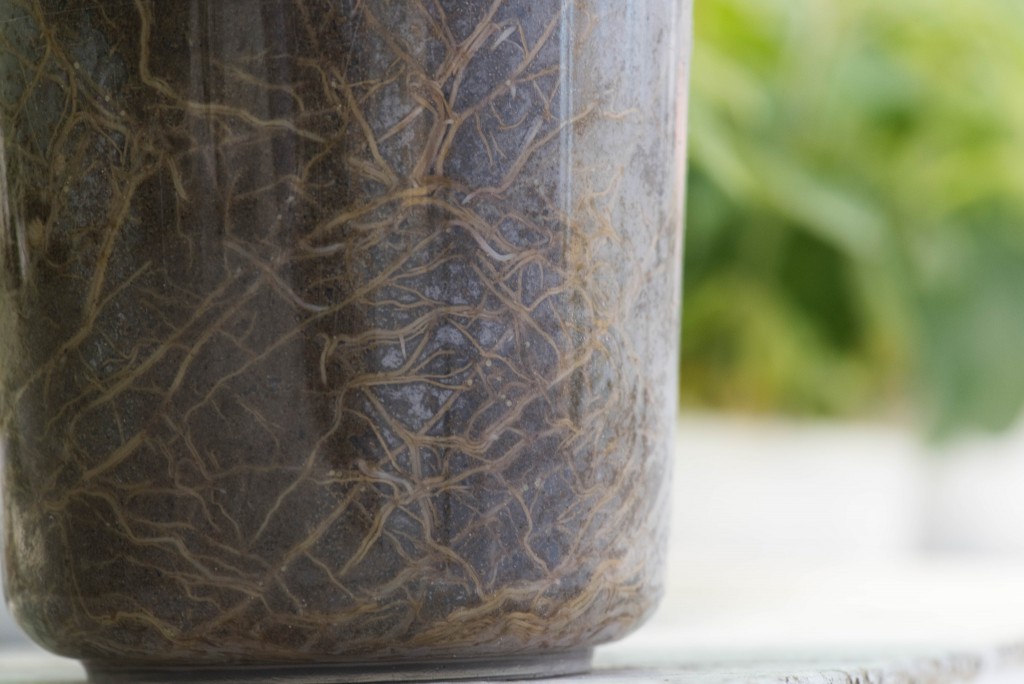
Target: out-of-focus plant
[{"x": 856, "y": 209}]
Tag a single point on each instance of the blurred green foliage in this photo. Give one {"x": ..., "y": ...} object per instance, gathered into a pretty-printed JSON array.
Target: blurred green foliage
[{"x": 855, "y": 222}]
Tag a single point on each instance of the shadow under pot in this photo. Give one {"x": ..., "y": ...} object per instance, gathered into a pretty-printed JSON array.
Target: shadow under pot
[{"x": 337, "y": 338}]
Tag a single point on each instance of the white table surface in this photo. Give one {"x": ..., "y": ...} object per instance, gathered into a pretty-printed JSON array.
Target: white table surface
[{"x": 1004, "y": 666}]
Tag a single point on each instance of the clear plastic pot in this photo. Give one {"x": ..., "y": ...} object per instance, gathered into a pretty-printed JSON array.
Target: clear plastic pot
[{"x": 337, "y": 337}]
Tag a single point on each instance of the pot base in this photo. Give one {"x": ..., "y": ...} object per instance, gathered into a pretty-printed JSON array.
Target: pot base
[{"x": 501, "y": 668}]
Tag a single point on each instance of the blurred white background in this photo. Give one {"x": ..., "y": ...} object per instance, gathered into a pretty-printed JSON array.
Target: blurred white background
[{"x": 807, "y": 537}]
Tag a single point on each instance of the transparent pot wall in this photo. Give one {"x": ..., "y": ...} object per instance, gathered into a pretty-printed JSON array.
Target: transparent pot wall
[{"x": 337, "y": 333}]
